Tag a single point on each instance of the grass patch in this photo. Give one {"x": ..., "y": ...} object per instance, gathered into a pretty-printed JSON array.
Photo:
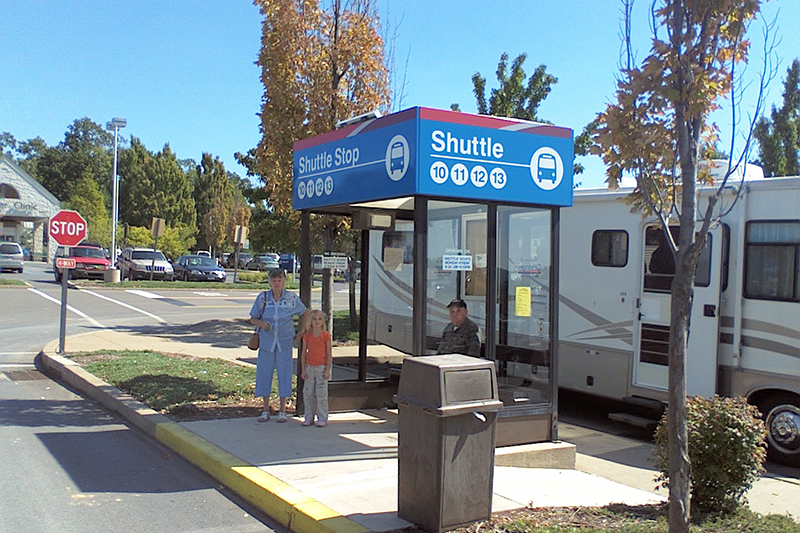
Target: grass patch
[
  {"x": 254, "y": 276},
  {"x": 12, "y": 282},
  {"x": 342, "y": 332},
  {"x": 174, "y": 384},
  {"x": 241, "y": 284}
]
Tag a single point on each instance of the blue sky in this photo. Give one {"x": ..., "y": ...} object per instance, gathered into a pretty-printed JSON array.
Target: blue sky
[{"x": 183, "y": 71}]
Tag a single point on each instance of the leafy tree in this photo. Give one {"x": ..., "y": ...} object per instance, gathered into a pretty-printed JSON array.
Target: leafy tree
[
  {"x": 779, "y": 136},
  {"x": 29, "y": 152},
  {"x": 173, "y": 192},
  {"x": 176, "y": 241},
  {"x": 85, "y": 151},
  {"x": 213, "y": 197},
  {"x": 273, "y": 231},
  {"x": 239, "y": 215},
  {"x": 657, "y": 131},
  {"x": 134, "y": 184},
  {"x": 153, "y": 185},
  {"x": 88, "y": 200},
  {"x": 139, "y": 237},
  {"x": 8, "y": 144},
  {"x": 319, "y": 65},
  {"x": 514, "y": 98}
]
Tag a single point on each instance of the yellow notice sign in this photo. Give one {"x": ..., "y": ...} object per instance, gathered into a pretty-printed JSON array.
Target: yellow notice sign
[{"x": 523, "y": 307}]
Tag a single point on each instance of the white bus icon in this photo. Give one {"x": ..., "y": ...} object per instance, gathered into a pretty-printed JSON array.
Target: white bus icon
[
  {"x": 547, "y": 168},
  {"x": 398, "y": 155}
]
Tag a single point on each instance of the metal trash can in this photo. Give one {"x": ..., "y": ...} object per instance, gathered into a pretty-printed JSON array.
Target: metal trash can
[
  {"x": 447, "y": 410},
  {"x": 111, "y": 275}
]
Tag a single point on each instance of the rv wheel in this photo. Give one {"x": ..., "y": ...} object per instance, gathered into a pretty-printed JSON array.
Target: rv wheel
[{"x": 782, "y": 418}]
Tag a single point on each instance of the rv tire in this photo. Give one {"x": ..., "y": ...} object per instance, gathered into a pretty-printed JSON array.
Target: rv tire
[{"x": 782, "y": 418}]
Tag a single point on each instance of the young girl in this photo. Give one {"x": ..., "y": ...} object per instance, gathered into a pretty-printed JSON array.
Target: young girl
[{"x": 315, "y": 363}]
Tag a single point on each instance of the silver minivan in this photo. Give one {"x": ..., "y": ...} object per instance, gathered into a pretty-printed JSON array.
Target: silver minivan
[{"x": 11, "y": 257}]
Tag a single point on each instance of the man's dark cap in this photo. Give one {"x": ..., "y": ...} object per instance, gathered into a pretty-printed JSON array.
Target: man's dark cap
[{"x": 458, "y": 302}]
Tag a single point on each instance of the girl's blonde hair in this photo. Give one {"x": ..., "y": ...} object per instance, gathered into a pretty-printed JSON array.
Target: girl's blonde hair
[{"x": 317, "y": 312}]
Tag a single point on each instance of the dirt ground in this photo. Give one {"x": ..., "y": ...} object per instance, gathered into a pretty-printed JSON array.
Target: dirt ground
[{"x": 612, "y": 517}]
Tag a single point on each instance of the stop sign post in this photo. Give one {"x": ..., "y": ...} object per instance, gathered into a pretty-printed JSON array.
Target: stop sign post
[{"x": 67, "y": 228}]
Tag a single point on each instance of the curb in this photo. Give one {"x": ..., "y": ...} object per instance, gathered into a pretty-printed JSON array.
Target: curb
[{"x": 287, "y": 505}]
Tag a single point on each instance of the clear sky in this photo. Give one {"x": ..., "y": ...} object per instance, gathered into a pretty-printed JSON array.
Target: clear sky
[{"x": 183, "y": 71}]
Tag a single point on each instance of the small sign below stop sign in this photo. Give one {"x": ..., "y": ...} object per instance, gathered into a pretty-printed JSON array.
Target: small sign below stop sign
[{"x": 67, "y": 228}]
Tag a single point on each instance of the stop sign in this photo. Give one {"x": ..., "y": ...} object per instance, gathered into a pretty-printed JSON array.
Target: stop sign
[{"x": 67, "y": 228}]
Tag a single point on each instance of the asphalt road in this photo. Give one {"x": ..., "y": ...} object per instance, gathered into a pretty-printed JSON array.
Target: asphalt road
[{"x": 70, "y": 466}]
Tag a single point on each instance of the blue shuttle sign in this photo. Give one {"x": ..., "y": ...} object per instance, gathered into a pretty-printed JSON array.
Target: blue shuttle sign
[{"x": 429, "y": 152}]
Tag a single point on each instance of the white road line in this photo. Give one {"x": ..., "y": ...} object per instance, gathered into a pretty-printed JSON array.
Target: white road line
[
  {"x": 69, "y": 307},
  {"x": 123, "y": 304},
  {"x": 144, "y": 294}
]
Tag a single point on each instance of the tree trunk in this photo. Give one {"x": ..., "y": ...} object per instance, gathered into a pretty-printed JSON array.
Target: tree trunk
[
  {"x": 327, "y": 297},
  {"x": 329, "y": 231},
  {"x": 679, "y": 465},
  {"x": 352, "y": 278}
]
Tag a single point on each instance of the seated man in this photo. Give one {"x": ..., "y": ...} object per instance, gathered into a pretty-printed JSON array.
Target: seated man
[{"x": 461, "y": 334}]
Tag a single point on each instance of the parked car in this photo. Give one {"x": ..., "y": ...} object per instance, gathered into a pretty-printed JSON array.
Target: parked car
[
  {"x": 264, "y": 262},
  {"x": 136, "y": 263},
  {"x": 90, "y": 262},
  {"x": 244, "y": 258},
  {"x": 198, "y": 268},
  {"x": 97, "y": 245},
  {"x": 11, "y": 257}
]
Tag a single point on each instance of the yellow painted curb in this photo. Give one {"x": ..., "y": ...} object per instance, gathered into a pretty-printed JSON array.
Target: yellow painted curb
[{"x": 281, "y": 501}]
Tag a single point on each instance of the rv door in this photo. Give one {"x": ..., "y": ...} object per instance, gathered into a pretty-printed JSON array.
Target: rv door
[{"x": 652, "y": 349}]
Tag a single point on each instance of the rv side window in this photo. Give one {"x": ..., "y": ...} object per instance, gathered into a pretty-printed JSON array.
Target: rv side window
[
  {"x": 610, "y": 248},
  {"x": 772, "y": 268},
  {"x": 660, "y": 262}
]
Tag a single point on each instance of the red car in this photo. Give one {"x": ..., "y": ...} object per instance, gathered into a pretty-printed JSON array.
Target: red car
[{"x": 90, "y": 262}]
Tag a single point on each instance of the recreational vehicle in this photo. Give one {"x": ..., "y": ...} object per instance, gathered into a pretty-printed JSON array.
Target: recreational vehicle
[{"x": 744, "y": 338}]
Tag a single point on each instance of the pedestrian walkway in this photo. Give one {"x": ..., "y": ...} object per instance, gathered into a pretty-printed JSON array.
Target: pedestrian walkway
[{"x": 344, "y": 477}]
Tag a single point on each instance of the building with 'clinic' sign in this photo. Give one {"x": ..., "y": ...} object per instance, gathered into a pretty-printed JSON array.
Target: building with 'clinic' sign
[{"x": 25, "y": 209}]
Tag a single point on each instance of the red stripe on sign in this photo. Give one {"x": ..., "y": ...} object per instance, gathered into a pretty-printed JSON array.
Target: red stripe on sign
[
  {"x": 499, "y": 123},
  {"x": 355, "y": 129}
]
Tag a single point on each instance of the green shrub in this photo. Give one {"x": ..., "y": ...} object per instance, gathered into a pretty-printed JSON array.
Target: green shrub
[
  {"x": 726, "y": 451},
  {"x": 253, "y": 276}
]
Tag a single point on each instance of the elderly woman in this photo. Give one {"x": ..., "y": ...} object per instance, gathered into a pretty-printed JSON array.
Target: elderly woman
[{"x": 273, "y": 313}]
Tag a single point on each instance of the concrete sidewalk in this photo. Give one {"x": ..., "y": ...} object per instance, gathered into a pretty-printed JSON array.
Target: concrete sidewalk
[{"x": 344, "y": 477}]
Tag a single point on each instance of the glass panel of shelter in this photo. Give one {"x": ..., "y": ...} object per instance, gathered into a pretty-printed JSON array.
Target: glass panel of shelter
[
  {"x": 523, "y": 344},
  {"x": 457, "y": 267}
]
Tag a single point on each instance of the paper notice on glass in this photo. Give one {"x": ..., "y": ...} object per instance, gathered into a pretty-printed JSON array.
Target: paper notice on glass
[
  {"x": 452, "y": 263},
  {"x": 393, "y": 259},
  {"x": 523, "y": 307}
]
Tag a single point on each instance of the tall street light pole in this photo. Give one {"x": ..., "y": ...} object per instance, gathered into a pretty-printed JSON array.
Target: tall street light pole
[{"x": 115, "y": 125}]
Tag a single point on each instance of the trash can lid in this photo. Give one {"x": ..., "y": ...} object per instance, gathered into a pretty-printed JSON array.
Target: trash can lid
[{"x": 444, "y": 382}]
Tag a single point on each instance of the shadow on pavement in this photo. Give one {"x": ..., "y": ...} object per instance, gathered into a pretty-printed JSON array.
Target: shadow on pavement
[{"x": 218, "y": 333}]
